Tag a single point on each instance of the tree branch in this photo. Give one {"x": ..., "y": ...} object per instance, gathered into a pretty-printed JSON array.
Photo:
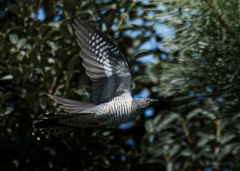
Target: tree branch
[
  {"x": 185, "y": 131},
  {"x": 124, "y": 15},
  {"x": 218, "y": 136},
  {"x": 223, "y": 22}
]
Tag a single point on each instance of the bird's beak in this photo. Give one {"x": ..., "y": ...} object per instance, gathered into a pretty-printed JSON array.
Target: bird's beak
[{"x": 154, "y": 100}]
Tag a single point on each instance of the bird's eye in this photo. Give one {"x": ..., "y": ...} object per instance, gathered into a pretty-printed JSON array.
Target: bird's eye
[{"x": 146, "y": 100}]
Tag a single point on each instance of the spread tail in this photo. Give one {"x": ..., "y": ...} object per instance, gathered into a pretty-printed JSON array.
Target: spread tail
[
  {"x": 62, "y": 124},
  {"x": 71, "y": 106}
]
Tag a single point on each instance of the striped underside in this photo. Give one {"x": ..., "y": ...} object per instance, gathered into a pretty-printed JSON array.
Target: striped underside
[{"x": 117, "y": 111}]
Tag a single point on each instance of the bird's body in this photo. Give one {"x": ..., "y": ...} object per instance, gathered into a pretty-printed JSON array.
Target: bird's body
[
  {"x": 110, "y": 73},
  {"x": 114, "y": 112}
]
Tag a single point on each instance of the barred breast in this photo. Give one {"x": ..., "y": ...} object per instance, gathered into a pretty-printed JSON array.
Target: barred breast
[{"x": 117, "y": 111}]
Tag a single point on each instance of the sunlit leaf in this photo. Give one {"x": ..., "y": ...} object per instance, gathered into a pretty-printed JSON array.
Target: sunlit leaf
[
  {"x": 21, "y": 42},
  {"x": 7, "y": 77},
  {"x": 13, "y": 38},
  {"x": 149, "y": 126}
]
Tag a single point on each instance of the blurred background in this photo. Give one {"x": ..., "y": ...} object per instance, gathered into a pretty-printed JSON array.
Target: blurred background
[{"x": 185, "y": 53}]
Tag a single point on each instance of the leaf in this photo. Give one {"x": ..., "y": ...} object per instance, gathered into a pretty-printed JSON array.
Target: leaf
[
  {"x": 71, "y": 2},
  {"x": 6, "y": 96},
  {"x": 14, "y": 57},
  {"x": 80, "y": 92},
  {"x": 2, "y": 40},
  {"x": 225, "y": 150},
  {"x": 149, "y": 127},
  {"x": 126, "y": 27},
  {"x": 6, "y": 77},
  {"x": 86, "y": 11},
  {"x": 73, "y": 62},
  {"x": 193, "y": 113},
  {"x": 141, "y": 53},
  {"x": 3, "y": 68},
  {"x": 226, "y": 138},
  {"x": 67, "y": 77},
  {"x": 174, "y": 150},
  {"x": 55, "y": 25},
  {"x": 43, "y": 29},
  {"x": 16, "y": 73},
  {"x": 14, "y": 9},
  {"x": 157, "y": 119},
  {"x": 13, "y": 37},
  {"x": 27, "y": 12},
  {"x": 21, "y": 42},
  {"x": 169, "y": 166},
  {"x": 186, "y": 152},
  {"x": 153, "y": 76},
  {"x": 167, "y": 120}
]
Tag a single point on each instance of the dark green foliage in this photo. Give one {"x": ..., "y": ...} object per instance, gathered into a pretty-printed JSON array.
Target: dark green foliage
[
  {"x": 39, "y": 57},
  {"x": 201, "y": 79},
  {"x": 195, "y": 125}
]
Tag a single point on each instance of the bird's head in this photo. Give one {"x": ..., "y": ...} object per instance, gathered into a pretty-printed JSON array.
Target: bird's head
[{"x": 143, "y": 103}]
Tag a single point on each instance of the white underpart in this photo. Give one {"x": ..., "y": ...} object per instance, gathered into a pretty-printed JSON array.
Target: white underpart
[{"x": 117, "y": 110}]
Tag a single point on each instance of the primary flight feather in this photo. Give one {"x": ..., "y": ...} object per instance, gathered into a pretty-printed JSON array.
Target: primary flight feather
[{"x": 110, "y": 73}]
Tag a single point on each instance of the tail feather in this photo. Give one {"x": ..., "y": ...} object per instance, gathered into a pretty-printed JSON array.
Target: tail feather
[
  {"x": 71, "y": 106},
  {"x": 61, "y": 124},
  {"x": 74, "y": 109},
  {"x": 54, "y": 132}
]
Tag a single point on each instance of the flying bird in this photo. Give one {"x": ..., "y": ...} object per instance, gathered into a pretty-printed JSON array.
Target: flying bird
[{"x": 110, "y": 73}]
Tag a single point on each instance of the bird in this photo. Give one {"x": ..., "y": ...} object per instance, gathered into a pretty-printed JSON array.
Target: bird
[{"x": 110, "y": 73}]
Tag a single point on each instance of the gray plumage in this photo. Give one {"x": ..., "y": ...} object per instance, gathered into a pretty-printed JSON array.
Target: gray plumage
[{"x": 111, "y": 79}]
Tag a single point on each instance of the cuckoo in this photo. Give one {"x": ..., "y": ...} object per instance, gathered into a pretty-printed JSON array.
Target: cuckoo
[{"x": 110, "y": 73}]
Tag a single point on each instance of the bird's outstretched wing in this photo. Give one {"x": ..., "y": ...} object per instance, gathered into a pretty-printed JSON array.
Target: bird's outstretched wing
[{"x": 108, "y": 69}]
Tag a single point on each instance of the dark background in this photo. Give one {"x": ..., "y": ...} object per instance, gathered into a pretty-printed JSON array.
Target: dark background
[{"x": 191, "y": 64}]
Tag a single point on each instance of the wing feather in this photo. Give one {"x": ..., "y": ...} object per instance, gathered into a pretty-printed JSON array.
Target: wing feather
[{"x": 108, "y": 69}]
